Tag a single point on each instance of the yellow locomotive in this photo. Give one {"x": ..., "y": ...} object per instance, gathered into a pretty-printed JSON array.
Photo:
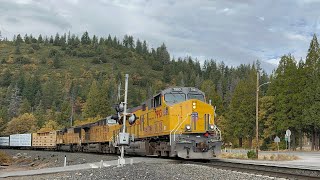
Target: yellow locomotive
[{"x": 177, "y": 122}]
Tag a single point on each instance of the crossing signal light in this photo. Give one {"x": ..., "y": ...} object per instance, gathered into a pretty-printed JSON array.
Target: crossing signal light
[
  {"x": 119, "y": 118},
  {"x": 132, "y": 119},
  {"x": 119, "y": 107}
]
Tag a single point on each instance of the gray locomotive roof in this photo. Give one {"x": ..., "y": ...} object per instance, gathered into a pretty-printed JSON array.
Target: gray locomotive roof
[{"x": 185, "y": 90}]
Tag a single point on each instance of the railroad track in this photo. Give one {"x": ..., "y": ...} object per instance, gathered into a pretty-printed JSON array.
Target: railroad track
[{"x": 260, "y": 169}]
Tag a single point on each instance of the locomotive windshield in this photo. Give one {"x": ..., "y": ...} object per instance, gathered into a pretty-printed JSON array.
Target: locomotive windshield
[
  {"x": 196, "y": 96},
  {"x": 174, "y": 97}
]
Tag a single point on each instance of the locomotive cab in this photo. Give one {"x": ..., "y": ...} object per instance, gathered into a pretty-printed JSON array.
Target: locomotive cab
[{"x": 193, "y": 132}]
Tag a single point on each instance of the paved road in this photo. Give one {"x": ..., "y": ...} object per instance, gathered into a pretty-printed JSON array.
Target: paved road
[{"x": 307, "y": 160}]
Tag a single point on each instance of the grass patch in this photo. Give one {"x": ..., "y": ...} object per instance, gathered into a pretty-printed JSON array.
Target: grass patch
[
  {"x": 278, "y": 157},
  {"x": 233, "y": 156},
  {"x": 266, "y": 157},
  {"x": 5, "y": 158}
]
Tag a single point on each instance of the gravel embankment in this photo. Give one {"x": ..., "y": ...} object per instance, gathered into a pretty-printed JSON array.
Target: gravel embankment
[
  {"x": 151, "y": 171},
  {"x": 32, "y": 159}
]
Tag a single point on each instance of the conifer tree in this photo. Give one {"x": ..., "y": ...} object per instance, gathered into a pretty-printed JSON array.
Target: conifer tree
[
  {"x": 19, "y": 39},
  {"x": 27, "y": 39},
  {"x": 85, "y": 39},
  {"x": 91, "y": 108},
  {"x": 284, "y": 88},
  {"x": 312, "y": 92},
  {"x": 139, "y": 47},
  {"x": 15, "y": 101},
  {"x": 105, "y": 104},
  {"x": 145, "y": 48},
  {"x": 241, "y": 116},
  {"x": 40, "y": 40},
  {"x": 25, "y": 106},
  {"x": 56, "y": 41}
]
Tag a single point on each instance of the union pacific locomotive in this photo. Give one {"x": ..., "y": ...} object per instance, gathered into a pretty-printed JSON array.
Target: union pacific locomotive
[{"x": 177, "y": 122}]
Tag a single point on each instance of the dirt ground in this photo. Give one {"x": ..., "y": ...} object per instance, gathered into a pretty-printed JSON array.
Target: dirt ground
[{"x": 34, "y": 159}]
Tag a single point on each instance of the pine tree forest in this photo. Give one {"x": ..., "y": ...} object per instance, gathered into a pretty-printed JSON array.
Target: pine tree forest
[{"x": 51, "y": 82}]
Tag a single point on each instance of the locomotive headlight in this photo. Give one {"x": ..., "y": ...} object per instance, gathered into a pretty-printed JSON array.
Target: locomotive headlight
[
  {"x": 212, "y": 127},
  {"x": 194, "y": 105},
  {"x": 188, "y": 128}
]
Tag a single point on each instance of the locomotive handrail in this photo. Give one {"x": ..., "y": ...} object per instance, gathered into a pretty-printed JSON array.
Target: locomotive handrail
[
  {"x": 174, "y": 134},
  {"x": 176, "y": 129}
]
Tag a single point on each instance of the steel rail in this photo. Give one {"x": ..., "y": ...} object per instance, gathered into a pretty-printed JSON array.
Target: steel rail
[{"x": 261, "y": 169}]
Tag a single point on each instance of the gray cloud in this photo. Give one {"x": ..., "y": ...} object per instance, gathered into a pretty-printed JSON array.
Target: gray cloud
[
  {"x": 233, "y": 31},
  {"x": 12, "y": 20}
]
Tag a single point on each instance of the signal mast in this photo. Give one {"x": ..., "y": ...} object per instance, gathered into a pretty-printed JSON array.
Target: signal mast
[{"x": 120, "y": 117}]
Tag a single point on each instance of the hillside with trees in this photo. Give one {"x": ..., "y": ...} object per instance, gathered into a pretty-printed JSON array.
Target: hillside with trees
[{"x": 49, "y": 82}]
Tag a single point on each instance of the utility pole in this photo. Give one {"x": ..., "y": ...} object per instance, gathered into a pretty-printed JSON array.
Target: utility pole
[
  {"x": 257, "y": 113},
  {"x": 257, "y": 116}
]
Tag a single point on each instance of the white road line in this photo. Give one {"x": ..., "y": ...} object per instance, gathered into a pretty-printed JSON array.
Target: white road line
[{"x": 93, "y": 166}]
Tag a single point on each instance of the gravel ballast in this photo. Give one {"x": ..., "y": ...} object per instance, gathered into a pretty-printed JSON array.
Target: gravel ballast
[{"x": 151, "y": 171}]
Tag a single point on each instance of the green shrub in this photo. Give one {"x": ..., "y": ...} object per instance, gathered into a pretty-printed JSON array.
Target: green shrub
[
  {"x": 17, "y": 50},
  {"x": 35, "y": 46},
  {"x": 53, "y": 53},
  {"x": 22, "y": 60},
  {"x": 43, "y": 60},
  {"x": 157, "y": 66},
  {"x": 125, "y": 61},
  {"x": 85, "y": 53},
  {"x": 252, "y": 154},
  {"x": 30, "y": 51}
]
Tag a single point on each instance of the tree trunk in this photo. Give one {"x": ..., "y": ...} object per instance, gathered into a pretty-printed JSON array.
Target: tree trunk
[
  {"x": 240, "y": 141},
  {"x": 293, "y": 141},
  {"x": 250, "y": 142},
  {"x": 300, "y": 139},
  {"x": 316, "y": 141},
  {"x": 312, "y": 140}
]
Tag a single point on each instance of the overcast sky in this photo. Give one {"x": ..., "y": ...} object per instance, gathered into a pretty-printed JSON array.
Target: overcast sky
[{"x": 233, "y": 31}]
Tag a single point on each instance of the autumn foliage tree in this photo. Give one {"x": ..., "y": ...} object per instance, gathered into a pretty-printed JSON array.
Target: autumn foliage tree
[{"x": 25, "y": 123}]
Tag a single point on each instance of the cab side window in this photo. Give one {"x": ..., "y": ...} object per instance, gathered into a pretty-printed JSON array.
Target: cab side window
[{"x": 157, "y": 101}]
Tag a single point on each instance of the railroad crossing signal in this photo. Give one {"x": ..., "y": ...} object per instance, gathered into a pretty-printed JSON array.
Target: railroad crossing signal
[{"x": 288, "y": 132}]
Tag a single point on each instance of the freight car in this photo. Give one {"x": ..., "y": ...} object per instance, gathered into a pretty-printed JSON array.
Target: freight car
[
  {"x": 44, "y": 140},
  {"x": 4, "y": 142},
  {"x": 20, "y": 140},
  {"x": 176, "y": 122}
]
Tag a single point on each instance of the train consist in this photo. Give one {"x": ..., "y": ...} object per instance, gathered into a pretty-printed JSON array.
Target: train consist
[{"x": 177, "y": 122}]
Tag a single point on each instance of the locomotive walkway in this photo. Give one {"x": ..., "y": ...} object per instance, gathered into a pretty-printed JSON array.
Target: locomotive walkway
[{"x": 74, "y": 167}]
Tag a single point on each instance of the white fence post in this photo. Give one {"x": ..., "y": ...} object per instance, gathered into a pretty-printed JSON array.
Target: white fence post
[{"x": 65, "y": 161}]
